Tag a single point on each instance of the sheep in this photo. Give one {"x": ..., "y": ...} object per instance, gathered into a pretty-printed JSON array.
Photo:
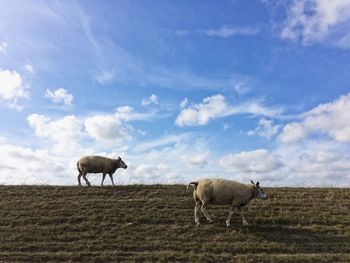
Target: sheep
[
  {"x": 98, "y": 164},
  {"x": 224, "y": 192}
]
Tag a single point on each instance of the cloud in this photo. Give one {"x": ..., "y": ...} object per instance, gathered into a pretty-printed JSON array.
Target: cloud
[
  {"x": 106, "y": 127},
  {"x": 12, "y": 86},
  {"x": 316, "y": 20},
  {"x": 3, "y": 47},
  {"x": 265, "y": 129},
  {"x": 29, "y": 68},
  {"x": 161, "y": 142},
  {"x": 153, "y": 99},
  {"x": 332, "y": 119},
  {"x": 104, "y": 77},
  {"x": 229, "y": 31},
  {"x": 155, "y": 173},
  {"x": 225, "y": 31},
  {"x": 216, "y": 106},
  {"x": 315, "y": 162},
  {"x": 114, "y": 126},
  {"x": 184, "y": 103},
  {"x": 257, "y": 161},
  {"x": 21, "y": 165},
  {"x": 293, "y": 132},
  {"x": 127, "y": 113},
  {"x": 182, "y": 158},
  {"x": 65, "y": 133},
  {"x": 212, "y": 107},
  {"x": 60, "y": 96},
  {"x": 198, "y": 159}
]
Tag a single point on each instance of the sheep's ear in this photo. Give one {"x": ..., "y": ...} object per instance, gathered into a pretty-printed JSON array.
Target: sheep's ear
[
  {"x": 119, "y": 158},
  {"x": 257, "y": 184},
  {"x": 252, "y": 181}
]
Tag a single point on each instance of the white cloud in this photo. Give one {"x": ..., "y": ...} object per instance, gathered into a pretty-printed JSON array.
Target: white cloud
[
  {"x": 12, "y": 86},
  {"x": 153, "y": 99},
  {"x": 155, "y": 173},
  {"x": 113, "y": 126},
  {"x": 225, "y": 31},
  {"x": 332, "y": 119},
  {"x": 200, "y": 114},
  {"x": 265, "y": 129},
  {"x": 241, "y": 88},
  {"x": 184, "y": 103},
  {"x": 230, "y": 31},
  {"x": 182, "y": 158},
  {"x": 29, "y": 67},
  {"x": 127, "y": 113},
  {"x": 216, "y": 106},
  {"x": 21, "y": 165},
  {"x": 200, "y": 159},
  {"x": 65, "y": 133},
  {"x": 104, "y": 77},
  {"x": 257, "y": 161},
  {"x": 106, "y": 127},
  {"x": 60, "y": 96},
  {"x": 316, "y": 163},
  {"x": 161, "y": 142},
  {"x": 315, "y": 20},
  {"x": 292, "y": 132},
  {"x": 3, "y": 47}
]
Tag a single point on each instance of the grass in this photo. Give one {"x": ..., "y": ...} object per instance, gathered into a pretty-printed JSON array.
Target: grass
[{"x": 155, "y": 223}]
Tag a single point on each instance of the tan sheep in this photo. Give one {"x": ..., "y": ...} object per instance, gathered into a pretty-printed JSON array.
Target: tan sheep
[
  {"x": 98, "y": 164},
  {"x": 224, "y": 192}
]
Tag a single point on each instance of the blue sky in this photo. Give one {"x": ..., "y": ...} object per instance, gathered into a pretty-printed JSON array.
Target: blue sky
[{"x": 179, "y": 89}]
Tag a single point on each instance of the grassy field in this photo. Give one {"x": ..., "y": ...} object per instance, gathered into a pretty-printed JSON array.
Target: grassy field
[{"x": 155, "y": 223}]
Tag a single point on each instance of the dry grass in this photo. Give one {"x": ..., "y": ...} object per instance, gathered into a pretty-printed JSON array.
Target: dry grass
[{"x": 155, "y": 223}]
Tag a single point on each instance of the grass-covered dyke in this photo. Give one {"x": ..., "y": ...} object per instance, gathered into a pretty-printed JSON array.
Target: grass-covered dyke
[{"x": 155, "y": 223}]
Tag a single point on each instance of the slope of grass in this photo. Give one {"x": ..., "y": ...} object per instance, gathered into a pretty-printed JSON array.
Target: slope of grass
[{"x": 155, "y": 223}]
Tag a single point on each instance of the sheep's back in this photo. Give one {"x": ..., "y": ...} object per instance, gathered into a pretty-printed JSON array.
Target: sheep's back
[
  {"x": 96, "y": 164},
  {"x": 221, "y": 191}
]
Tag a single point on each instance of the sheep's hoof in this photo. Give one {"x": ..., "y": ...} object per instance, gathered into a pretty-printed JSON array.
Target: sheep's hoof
[
  {"x": 245, "y": 223},
  {"x": 228, "y": 224}
]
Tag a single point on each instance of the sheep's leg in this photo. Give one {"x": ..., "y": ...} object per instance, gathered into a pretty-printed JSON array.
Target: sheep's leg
[
  {"x": 103, "y": 178},
  {"x": 86, "y": 180},
  {"x": 240, "y": 212},
  {"x": 196, "y": 210},
  {"x": 79, "y": 176},
  {"x": 111, "y": 176},
  {"x": 204, "y": 211},
  {"x": 228, "y": 221}
]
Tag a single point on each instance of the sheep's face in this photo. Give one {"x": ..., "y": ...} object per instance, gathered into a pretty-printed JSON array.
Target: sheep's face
[
  {"x": 260, "y": 194},
  {"x": 121, "y": 163}
]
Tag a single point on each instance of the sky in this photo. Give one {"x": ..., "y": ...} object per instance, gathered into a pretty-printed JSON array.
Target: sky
[{"x": 180, "y": 90}]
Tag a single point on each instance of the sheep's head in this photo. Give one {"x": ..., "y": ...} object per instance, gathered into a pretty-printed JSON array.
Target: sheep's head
[
  {"x": 121, "y": 163},
  {"x": 260, "y": 194}
]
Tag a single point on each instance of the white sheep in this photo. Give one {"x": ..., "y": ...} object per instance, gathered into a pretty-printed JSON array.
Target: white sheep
[
  {"x": 98, "y": 164},
  {"x": 224, "y": 192}
]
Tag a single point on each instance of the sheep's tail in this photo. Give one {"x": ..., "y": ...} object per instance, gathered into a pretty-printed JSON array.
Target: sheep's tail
[
  {"x": 78, "y": 167},
  {"x": 193, "y": 183}
]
